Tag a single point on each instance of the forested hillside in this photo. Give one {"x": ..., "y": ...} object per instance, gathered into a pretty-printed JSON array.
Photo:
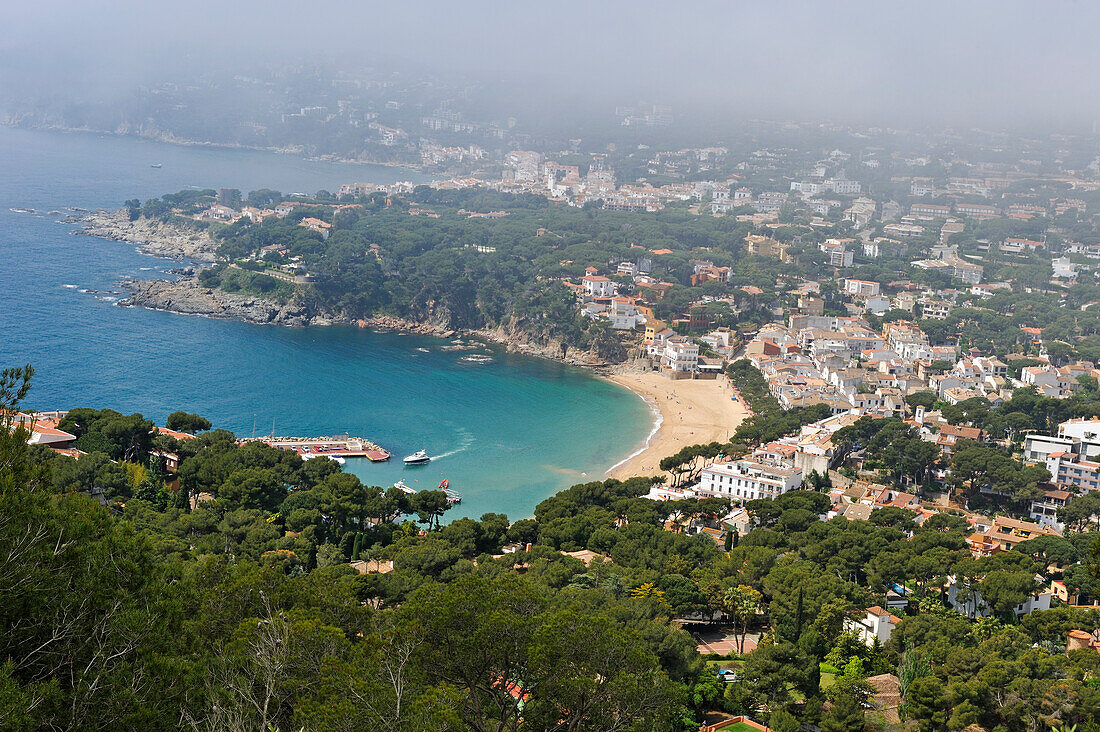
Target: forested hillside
[{"x": 242, "y": 612}]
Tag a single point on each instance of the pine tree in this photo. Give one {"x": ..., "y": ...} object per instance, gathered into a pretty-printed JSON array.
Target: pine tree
[
  {"x": 845, "y": 716},
  {"x": 798, "y": 616}
]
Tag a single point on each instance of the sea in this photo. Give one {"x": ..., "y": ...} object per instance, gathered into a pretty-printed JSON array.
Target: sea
[{"x": 505, "y": 433}]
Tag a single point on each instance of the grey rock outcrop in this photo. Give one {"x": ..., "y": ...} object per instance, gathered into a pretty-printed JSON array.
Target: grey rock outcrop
[
  {"x": 188, "y": 296},
  {"x": 151, "y": 236}
]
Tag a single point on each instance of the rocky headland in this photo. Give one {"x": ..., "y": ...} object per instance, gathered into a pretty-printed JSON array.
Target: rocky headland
[
  {"x": 151, "y": 236},
  {"x": 188, "y": 295}
]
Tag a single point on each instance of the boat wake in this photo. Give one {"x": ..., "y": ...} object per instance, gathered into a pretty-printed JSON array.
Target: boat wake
[{"x": 467, "y": 440}]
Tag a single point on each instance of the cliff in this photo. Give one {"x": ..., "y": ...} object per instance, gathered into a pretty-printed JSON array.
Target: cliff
[{"x": 188, "y": 296}]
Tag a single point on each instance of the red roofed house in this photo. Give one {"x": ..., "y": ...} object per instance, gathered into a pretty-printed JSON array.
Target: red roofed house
[
  {"x": 173, "y": 433},
  {"x": 316, "y": 225},
  {"x": 878, "y": 624},
  {"x": 950, "y": 434},
  {"x": 44, "y": 433}
]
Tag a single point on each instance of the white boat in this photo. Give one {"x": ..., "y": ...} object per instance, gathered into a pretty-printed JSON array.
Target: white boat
[
  {"x": 402, "y": 486},
  {"x": 417, "y": 458}
]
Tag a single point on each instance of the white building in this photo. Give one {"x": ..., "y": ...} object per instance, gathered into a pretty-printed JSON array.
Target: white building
[
  {"x": 1044, "y": 511},
  {"x": 843, "y": 186},
  {"x": 862, "y": 287},
  {"x": 1037, "y": 448},
  {"x": 746, "y": 480},
  {"x": 1063, "y": 268},
  {"x": 1067, "y": 469},
  {"x": 806, "y": 188},
  {"x": 921, "y": 188},
  {"x": 861, "y": 212},
  {"x": 839, "y": 256},
  {"x": 876, "y": 305},
  {"x": 971, "y": 604},
  {"x": 598, "y": 286},
  {"x": 680, "y": 354},
  {"x": 879, "y": 624},
  {"x": 1083, "y": 431},
  {"x": 623, "y": 314}
]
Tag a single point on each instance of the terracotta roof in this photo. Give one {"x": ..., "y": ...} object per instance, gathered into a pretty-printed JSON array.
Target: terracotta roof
[
  {"x": 876, "y": 610},
  {"x": 173, "y": 433}
]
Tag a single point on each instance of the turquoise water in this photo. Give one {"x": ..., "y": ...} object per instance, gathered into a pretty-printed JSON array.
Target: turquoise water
[{"x": 507, "y": 433}]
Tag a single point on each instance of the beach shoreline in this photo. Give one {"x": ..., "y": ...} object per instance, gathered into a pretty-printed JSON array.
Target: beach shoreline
[{"x": 686, "y": 412}]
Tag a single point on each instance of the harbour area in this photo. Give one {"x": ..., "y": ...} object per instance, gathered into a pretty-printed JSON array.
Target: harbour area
[{"x": 339, "y": 446}]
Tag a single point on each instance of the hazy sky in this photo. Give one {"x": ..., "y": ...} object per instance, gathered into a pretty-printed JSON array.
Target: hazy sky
[{"x": 993, "y": 63}]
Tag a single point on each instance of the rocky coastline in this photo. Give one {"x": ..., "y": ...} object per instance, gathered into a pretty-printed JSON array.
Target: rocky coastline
[
  {"x": 151, "y": 236},
  {"x": 187, "y": 295}
]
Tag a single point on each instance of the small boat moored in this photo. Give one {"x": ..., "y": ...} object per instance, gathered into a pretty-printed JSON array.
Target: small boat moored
[
  {"x": 402, "y": 486},
  {"x": 452, "y": 497},
  {"x": 417, "y": 458}
]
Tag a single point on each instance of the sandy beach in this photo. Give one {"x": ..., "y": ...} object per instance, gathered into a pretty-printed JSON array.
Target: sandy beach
[{"x": 693, "y": 411}]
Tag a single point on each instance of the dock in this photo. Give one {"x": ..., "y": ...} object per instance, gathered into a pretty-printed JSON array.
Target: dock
[{"x": 344, "y": 446}]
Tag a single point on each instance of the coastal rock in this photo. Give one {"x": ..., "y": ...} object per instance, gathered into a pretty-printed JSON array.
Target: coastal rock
[
  {"x": 189, "y": 296},
  {"x": 152, "y": 236}
]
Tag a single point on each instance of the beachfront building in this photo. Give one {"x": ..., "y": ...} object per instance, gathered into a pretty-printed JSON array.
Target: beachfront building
[
  {"x": 681, "y": 355},
  {"x": 747, "y": 480}
]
